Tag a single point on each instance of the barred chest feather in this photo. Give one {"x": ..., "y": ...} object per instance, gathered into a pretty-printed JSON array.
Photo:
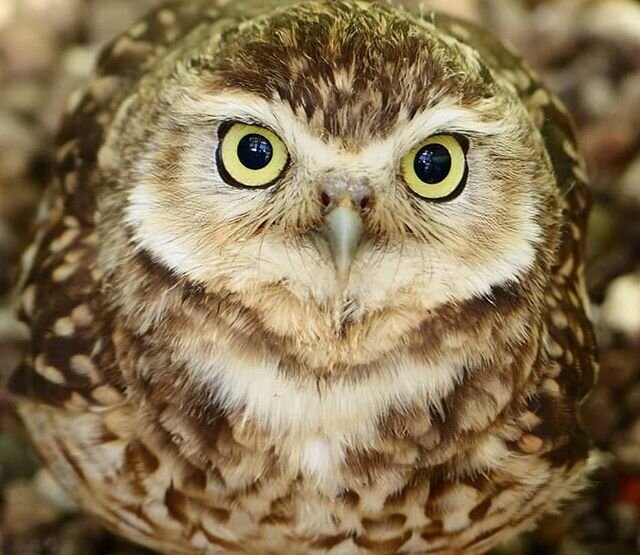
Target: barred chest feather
[{"x": 409, "y": 457}]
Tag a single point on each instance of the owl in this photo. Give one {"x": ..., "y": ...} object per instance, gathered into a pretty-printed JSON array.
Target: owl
[{"x": 308, "y": 280}]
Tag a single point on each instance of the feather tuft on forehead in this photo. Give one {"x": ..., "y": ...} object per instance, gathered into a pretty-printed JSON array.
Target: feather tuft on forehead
[{"x": 350, "y": 68}]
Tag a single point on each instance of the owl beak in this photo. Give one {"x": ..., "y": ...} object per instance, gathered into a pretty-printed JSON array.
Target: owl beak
[{"x": 343, "y": 231}]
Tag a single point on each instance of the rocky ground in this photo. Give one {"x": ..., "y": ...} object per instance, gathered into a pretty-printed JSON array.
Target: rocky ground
[{"x": 589, "y": 53}]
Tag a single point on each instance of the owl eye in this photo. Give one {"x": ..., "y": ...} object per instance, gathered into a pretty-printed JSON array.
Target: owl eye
[
  {"x": 250, "y": 156},
  {"x": 436, "y": 169}
]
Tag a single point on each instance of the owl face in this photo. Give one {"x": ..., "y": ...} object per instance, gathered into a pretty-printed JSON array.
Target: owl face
[{"x": 342, "y": 154}]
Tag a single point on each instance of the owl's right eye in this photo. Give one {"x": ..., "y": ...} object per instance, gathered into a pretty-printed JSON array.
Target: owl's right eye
[{"x": 250, "y": 155}]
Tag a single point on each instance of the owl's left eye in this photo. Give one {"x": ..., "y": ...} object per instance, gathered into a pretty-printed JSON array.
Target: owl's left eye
[
  {"x": 436, "y": 169},
  {"x": 250, "y": 155}
]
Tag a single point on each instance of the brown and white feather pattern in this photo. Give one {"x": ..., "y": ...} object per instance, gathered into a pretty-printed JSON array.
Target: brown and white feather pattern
[{"x": 197, "y": 403}]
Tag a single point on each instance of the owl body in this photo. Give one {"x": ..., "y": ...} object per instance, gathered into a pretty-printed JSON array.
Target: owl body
[{"x": 342, "y": 359}]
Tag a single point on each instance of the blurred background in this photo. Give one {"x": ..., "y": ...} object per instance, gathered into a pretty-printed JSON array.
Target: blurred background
[{"x": 589, "y": 53}]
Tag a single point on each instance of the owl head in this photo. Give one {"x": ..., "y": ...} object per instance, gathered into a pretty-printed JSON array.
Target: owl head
[{"x": 329, "y": 165}]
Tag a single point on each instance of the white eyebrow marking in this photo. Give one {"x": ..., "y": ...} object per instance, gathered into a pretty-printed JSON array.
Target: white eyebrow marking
[{"x": 379, "y": 154}]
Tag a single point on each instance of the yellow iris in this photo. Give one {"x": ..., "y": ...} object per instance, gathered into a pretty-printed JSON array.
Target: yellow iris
[
  {"x": 435, "y": 168},
  {"x": 251, "y": 156}
]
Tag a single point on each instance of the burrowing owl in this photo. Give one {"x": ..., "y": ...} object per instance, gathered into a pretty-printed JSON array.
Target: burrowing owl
[{"x": 309, "y": 280}]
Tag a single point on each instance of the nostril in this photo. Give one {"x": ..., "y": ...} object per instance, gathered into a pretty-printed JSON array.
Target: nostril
[
  {"x": 325, "y": 199},
  {"x": 364, "y": 203}
]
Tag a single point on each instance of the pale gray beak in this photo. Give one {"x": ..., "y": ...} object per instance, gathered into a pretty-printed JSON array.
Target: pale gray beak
[{"x": 343, "y": 231}]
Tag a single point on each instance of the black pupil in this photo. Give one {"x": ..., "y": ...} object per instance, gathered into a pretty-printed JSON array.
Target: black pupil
[
  {"x": 432, "y": 163},
  {"x": 255, "y": 151}
]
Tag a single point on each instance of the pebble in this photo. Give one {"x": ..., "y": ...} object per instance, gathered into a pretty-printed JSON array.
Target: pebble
[
  {"x": 25, "y": 509},
  {"x": 630, "y": 184},
  {"x": 621, "y": 308}
]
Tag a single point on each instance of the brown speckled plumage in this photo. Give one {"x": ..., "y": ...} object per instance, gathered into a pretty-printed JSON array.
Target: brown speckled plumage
[{"x": 254, "y": 405}]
